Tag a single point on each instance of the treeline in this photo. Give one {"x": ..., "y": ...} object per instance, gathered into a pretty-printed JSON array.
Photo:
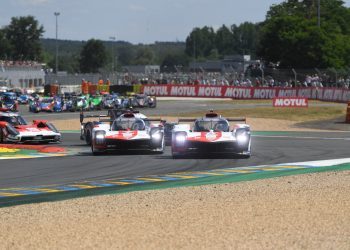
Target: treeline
[{"x": 292, "y": 36}]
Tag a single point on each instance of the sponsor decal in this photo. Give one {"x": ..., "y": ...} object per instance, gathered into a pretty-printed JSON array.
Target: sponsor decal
[
  {"x": 236, "y": 92},
  {"x": 210, "y": 136},
  {"x": 129, "y": 134},
  {"x": 206, "y": 137},
  {"x": 291, "y": 102}
]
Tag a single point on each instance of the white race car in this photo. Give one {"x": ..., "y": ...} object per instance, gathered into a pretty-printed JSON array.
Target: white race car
[
  {"x": 130, "y": 130},
  {"x": 211, "y": 134},
  {"x": 13, "y": 128}
]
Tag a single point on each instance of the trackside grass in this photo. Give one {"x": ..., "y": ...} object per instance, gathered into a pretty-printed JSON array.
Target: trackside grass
[{"x": 291, "y": 114}]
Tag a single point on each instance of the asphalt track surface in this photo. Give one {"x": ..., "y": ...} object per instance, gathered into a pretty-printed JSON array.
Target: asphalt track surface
[
  {"x": 82, "y": 165},
  {"x": 267, "y": 149}
]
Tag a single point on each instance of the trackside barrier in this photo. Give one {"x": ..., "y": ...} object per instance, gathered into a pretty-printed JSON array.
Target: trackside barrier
[
  {"x": 348, "y": 113},
  {"x": 121, "y": 89},
  {"x": 137, "y": 88},
  {"x": 235, "y": 92},
  {"x": 103, "y": 88}
]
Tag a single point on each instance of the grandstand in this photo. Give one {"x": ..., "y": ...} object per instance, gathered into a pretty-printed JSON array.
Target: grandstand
[{"x": 22, "y": 74}]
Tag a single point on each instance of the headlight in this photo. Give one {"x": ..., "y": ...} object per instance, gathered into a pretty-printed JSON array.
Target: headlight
[
  {"x": 242, "y": 136},
  {"x": 157, "y": 136},
  {"x": 181, "y": 138},
  {"x": 100, "y": 136}
]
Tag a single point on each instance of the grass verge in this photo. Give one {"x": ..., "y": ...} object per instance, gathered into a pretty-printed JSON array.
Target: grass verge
[{"x": 291, "y": 114}]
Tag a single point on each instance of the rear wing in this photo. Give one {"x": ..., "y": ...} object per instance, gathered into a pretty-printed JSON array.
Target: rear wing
[
  {"x": 109, "y": 117},
  {"x": 186, "y": 120},
  {"x": 237, "y": 119},
  {"x": 230, "y": 119},
  {"x": 154, "y": 119},
  {"x": 100, "y": 117}
]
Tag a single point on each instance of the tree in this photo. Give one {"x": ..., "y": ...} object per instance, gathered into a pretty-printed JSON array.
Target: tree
[
  {"x": 200, "y": 42},
  {"x": 172, "y": 60},
  {"x": 144, "y": 56},
  {"x": 93, "y": 56},
  {"x": 23, "y": 34},
  {"x": 290, "y": 35},
  {"x": 224, "y": 41},
  {"x": 245, "y": 37},
  {"x": 5, "y": 47}
]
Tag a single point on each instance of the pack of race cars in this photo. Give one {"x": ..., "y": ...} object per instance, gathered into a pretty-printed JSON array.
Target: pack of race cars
[
  {"x": 72, "y": 103},
  {"x": 128, "y": 129}
]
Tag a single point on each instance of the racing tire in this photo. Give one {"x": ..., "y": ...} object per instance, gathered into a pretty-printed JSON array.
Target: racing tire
[
  {"x": 161, "y": 149},
  {"x": 1, "y": 136},
  {"x": 95, "y": 151},
  {"x": 154, "y": 104},
  {"x": 88, "y": 136},
  {"x": 246, "y": 153}
]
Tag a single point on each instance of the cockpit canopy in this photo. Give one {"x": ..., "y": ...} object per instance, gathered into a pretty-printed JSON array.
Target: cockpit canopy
[
  {"x": 217, "y": 125},
  {"x": 13, "y": 120},
  {"x": 129, "y": 124}
]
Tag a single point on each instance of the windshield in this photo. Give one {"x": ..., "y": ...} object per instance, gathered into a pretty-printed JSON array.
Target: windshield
[
  {"x": 10, "y": 97},
  {"x": 129, "y": 124},
  {"x": 215, "y": 125},
  {"x": 14, "y": 120}
]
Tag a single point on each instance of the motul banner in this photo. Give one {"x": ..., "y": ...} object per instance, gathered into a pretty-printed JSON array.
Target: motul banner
[
  {"x": 290, "y": 102},
  {"x": 325, "y": 94}
]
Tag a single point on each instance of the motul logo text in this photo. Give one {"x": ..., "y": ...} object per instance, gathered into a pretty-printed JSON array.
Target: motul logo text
[{"x": 290, "y": 102}]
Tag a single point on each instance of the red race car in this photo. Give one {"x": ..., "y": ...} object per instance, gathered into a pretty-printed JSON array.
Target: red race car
[{"x": 13, "y": 128}]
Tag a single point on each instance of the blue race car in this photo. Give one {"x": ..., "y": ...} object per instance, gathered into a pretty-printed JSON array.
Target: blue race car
[
  {"x": 34, "y": 105},
  {"x": 51, "y": 104},
  {"x": 23, "y": 99},
  {"x": 8, "y": 101}
]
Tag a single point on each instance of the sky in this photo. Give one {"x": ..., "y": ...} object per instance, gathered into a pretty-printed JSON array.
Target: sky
[{"x": 135, "y": 21}]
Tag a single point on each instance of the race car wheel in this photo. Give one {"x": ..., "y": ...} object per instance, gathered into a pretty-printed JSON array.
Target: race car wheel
[
  {"x": 95, "y": 151},
  {"x": 88, "y": 136},
  {"x": 154, "y": 104},
  {"x": 160, "y": 150},
  {"x": 1, "y": 136}
]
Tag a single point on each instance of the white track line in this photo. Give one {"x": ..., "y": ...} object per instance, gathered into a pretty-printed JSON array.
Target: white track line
[{"x": 301, "y": 137}]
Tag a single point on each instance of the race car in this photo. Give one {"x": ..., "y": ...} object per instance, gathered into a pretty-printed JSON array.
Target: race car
[
  {"x": 95, "y": 102},
  {"x": 13, "y": 128},
  {"x": 110, "y": 101},
  {"x": 130, "y": 130},
  {"x": 142, "y": 101},
  {"x": 23, "y": 99},
  {"x": 8, "y": 101},
  {"x": 168, "y": 130},
  {"x": 82, "y": 103},
  {"x": 211, "y": 134},
  {"x": 34, "y": 105},
  {"x": 51, "y": 104},
  {"x": 86, "y": 127},
  {"x": 70, "y": 103}
]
